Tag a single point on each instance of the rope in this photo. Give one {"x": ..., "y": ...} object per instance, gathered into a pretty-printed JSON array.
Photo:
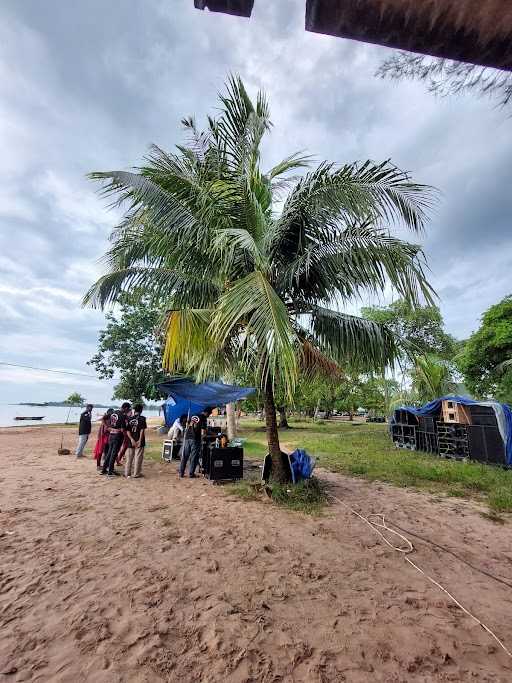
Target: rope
[
  {"x": 405, "y": 551},
  {"x": 498, "y": 579}
]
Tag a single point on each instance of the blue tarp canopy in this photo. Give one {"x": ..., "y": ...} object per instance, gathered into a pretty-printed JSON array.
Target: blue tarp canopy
[
  {"x": 184, "y": 396},
  {"x": 502, "y": 411}
]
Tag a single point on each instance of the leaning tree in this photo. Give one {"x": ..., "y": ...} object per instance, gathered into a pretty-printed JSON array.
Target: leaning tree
[{"x": 255, "y": 266}]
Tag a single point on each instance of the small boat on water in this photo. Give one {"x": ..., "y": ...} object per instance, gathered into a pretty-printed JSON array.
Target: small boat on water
[{"x": 36, "y": 417}]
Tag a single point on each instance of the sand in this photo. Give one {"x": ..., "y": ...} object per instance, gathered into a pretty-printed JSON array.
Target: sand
[{"x": 159, "y": 579}]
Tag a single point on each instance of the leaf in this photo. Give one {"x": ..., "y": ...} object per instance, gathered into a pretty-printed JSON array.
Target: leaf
[
  {"x": 252, "y": 307},
  {"x": 347, "y": 338}
]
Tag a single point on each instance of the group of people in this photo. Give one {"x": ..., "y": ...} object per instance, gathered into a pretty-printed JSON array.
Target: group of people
[
  {"x": 191, "y": 429},
  {"x": 121, "y": 434}
]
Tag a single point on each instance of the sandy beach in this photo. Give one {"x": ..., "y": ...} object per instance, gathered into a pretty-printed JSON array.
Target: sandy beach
[{"x": 166, "y": 580}]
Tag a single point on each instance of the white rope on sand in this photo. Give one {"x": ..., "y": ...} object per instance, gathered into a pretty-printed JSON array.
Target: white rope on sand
[{"x": 405, "y": 551}]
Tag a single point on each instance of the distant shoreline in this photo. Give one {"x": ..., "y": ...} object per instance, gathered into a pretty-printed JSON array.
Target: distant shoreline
[
  {"x": 51, "y": 404},
  {"x": 41, "y": 426}
]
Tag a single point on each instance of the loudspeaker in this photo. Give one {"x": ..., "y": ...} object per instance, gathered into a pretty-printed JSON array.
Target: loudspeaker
[
  {"x": 224, "y": 464},
  {"x": 482, "y": 415},
  {"x": 171, "y": 450},
  {"x": 476, "y": 440},
  {"x": 405, "y": 417},
  {"x": 495, "y": 446},
  {"x": 427, "y": 424},
  {"x": 486, "y": 444},
  {"x": 427, "y": 441}
]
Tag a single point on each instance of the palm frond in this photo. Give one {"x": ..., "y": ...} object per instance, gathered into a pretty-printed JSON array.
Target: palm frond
[
  {"x": 159, "y": 284},
  {"x": 327, "y": 199},
  {"x": 293, "y": 162},
  {"x": 352, "y": 340},
  {"x": 313, "y": 363},
  {"x": 187, "y": 339},
  {"x": 362, "y": 258},
  {"x": 241, "y": 126},
  {"x": 164, "y": 210},
  {"x": 432, "y": 378},
  {"x": 252, "y": 308}
]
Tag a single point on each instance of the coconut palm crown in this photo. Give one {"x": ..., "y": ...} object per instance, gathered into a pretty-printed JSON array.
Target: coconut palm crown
[{"x": 255, "y": 267}]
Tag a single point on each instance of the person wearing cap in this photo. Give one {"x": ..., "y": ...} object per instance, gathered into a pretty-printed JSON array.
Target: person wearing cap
[
  {"x": 84, "y": 429},
  {"x": 117, "y": 426},
  {"x": 195, "y": 432},
  {"x": 137, "y": 426}
]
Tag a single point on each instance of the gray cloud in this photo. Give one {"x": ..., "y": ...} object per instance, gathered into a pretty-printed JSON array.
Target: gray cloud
[{"x": 88, "y": 86}]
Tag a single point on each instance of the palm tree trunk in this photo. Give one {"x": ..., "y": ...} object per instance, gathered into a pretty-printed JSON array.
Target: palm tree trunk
[
  {"x": 231, "y": 420},
  {"x": 283, "y": 420},
  {"x": 278, "y": 473},
  {"x": 386, "y": 394},
  {"x": 317, "y": 410}
]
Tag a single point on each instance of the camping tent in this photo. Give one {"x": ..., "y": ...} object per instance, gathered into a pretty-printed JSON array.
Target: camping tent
[
  {"x": 184, "y": 396},
  {"x": 502, "y": 411}
]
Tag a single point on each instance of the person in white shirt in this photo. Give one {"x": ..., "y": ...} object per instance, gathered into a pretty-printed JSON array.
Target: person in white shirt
[{"x": 175, "y": 433}]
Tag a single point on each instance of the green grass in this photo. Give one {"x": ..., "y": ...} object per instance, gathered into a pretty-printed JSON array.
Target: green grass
[
  {"x": 246, "y": 490},
  {"x": 308, "y": 496},
  {"x": 366, "y": 451},
  {"x": 153, "y": 449}
]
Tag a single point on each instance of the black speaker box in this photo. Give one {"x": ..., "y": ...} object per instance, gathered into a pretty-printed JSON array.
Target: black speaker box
[
  {"x": 405, "y": 417},
  {"x": 224, "y": 464},
  {"x": 427, "y": 441},
  {"x": 427, "y": 423},
  {"x": 476, "y": 441},
  {"x": 482, "y": 415},
  {"x": 486, "y": 444},
  {"x": 495, "y": 446}
]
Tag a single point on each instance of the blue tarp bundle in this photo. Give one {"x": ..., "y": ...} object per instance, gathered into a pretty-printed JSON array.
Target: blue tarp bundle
[
  {"x": 185, "y": 396},
  {"x": 302, "y": 465},
  {"x": 502, "y": 410}
]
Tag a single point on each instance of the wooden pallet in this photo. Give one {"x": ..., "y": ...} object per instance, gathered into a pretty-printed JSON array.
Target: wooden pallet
[{"x": 454, "y": 412}]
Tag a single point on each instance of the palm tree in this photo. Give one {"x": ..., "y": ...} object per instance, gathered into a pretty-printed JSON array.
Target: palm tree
[
  {"x": 247, "y": 284},
  {"x": 432, "y": 378}
]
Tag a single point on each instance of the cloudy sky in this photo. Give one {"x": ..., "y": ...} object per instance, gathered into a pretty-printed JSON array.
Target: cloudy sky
[{"x": 89, "y": 85}]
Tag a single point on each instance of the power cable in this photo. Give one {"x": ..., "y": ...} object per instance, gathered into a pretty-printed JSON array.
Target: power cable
[{"x": 59, "y": 372}]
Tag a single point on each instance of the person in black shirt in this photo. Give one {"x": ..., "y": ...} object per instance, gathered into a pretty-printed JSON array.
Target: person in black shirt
[
  {"x": 117, "y": 427},
  {"x": 194, "y": 435},
  {"x": 84, "y": 429},
  {"x": 136, "y": 435}
]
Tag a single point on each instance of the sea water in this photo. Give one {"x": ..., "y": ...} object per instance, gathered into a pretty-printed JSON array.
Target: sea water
[{"x": 52, "y": 414}]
